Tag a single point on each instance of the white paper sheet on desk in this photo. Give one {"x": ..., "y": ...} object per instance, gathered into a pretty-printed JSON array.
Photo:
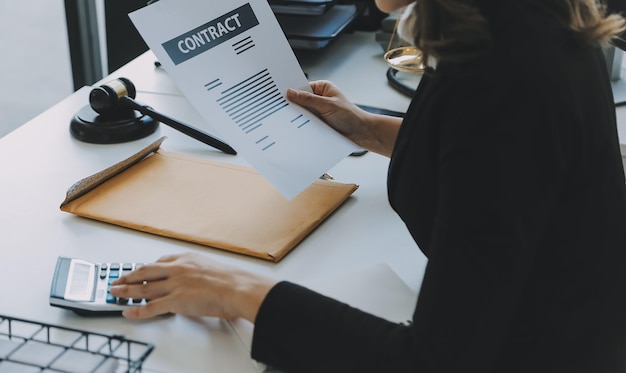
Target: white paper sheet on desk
[
  {"x": 376, "y": 289},
  {"x": 234, "y": 64}
]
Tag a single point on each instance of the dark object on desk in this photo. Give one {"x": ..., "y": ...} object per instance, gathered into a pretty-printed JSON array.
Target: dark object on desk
[
  {"x": 369, "y": 17},
  {"x": 398, "y": 85},
  {"x": 377, "y": 110},
  {"x": 315, "y": 32},
  {"x": 300, "y": 7},
  {"x": 30, "y": 345},
  {"x": 114, "y": 116},
  {"x": 358, "y": 153},
  {"x": 89, "y": 126}
]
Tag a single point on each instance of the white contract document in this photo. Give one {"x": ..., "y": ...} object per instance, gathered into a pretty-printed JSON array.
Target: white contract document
[{"x": 234, "y": 64}]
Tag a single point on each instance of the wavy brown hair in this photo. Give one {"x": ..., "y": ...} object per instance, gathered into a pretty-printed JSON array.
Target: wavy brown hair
[{"x": 457, "y": 30}]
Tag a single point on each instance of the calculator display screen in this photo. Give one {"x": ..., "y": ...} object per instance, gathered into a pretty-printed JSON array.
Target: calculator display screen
[
  {"x": 80, "y": 282},
  {"x": 80, "y": 279}
]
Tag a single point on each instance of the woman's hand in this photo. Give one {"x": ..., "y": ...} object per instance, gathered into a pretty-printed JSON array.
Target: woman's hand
[
  {"x": 332, "y": 106},
  {"x": 369, "y": 131},
  {"x": 193, "y": 285}
]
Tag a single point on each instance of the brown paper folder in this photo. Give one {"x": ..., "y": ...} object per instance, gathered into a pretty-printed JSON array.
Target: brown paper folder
[{"x": 212, "y": 203}]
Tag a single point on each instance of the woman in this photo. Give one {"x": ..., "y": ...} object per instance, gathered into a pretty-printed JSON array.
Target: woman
[{"x": 507, "y": 172}]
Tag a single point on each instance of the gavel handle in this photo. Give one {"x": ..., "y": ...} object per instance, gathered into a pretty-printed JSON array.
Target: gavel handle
[{"x": 179, "y": 126}]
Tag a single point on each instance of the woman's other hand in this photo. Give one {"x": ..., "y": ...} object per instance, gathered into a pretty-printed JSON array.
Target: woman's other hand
[{"x": 369, "y": 131}]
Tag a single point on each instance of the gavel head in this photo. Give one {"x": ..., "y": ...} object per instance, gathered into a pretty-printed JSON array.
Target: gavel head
[{"x": 106, "y": 98}]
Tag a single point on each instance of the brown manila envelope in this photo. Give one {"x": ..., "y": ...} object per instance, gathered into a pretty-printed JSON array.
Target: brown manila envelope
[{"x": 216, "y": 204}]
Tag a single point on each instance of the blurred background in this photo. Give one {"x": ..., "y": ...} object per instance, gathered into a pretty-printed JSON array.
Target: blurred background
[{"x": 35, "y": 69}]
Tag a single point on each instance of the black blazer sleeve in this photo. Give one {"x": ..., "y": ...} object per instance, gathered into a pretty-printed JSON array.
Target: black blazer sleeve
[{"x": 304, "y": 331}]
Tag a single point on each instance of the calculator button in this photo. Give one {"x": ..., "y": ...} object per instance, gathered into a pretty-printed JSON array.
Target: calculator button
[
  {"x": 103, "y": 274},
  {"x": 115, "y": 266},
  {"x": 110, "y": 298},
  {"x": 103, "y": 266},
  {"x": 127, "y": 266},
  {"x": 137, "y": 301},
  {"x": 122, "y": 300},
  {"x": 114, "y": 273}
]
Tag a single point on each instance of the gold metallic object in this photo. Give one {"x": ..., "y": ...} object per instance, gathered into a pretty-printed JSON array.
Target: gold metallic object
[
  {"x": 119, "y": 88},
  {"x": 407, "y": 58}
]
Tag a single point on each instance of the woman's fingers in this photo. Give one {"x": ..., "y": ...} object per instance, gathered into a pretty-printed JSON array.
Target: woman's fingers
[
  {"x": 157, "y": 293},
  {"x": 303, "y": 98},
  {"x": 149, "y": 290},
  {"x": 149, "y": 272},
  {"x": 323, "y": 88},
  {"x": 324, "y": 93},
  {"x": 151, "y": 309},
  {"x": 192, "y": 285},
  {"x": 141, "y": 275}
]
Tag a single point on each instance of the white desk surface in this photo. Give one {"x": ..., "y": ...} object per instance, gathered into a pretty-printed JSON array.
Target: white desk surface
[{"x": 40, "y": 160}]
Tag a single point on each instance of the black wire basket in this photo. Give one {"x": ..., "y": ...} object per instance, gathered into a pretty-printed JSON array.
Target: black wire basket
[{"x": 29, "y": 346}]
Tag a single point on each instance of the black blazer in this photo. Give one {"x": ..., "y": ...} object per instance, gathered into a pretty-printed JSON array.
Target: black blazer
[{"x": 508, "y": 174}]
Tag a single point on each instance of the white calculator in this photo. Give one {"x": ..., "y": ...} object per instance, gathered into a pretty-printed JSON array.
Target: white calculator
[{"x": 84, "y": 287}]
